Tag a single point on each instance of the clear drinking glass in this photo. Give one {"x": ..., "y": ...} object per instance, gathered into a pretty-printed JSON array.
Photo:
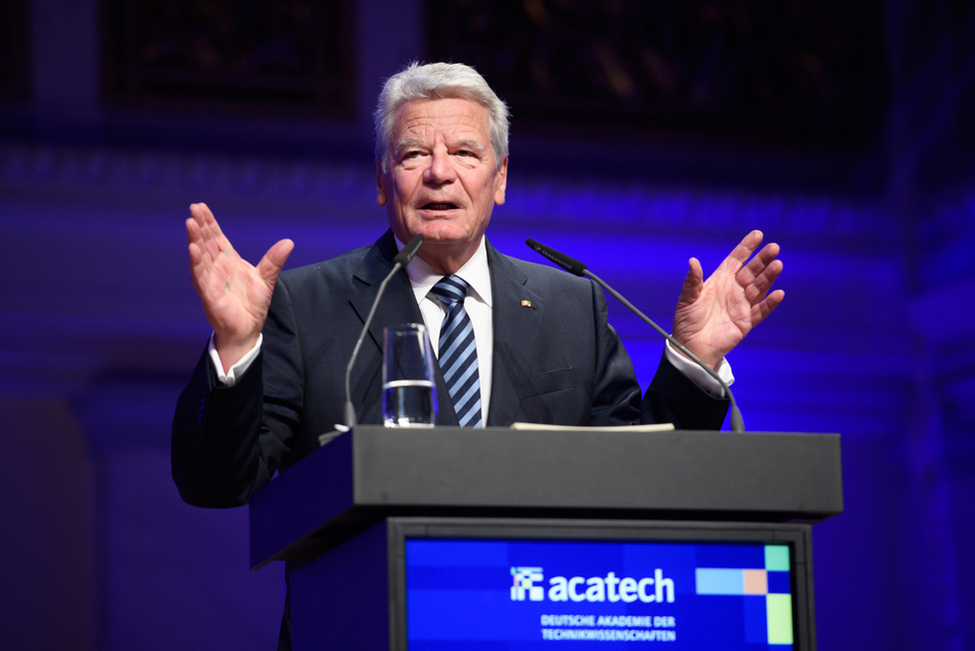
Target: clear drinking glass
[{"x": 409, "y": 390}]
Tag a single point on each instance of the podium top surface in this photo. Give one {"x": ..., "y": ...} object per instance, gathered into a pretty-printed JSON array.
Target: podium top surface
[{"x": 373, "y": 472}]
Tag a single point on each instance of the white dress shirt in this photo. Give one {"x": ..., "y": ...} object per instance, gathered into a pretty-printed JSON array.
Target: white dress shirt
[{"x": 478, "y": 305}]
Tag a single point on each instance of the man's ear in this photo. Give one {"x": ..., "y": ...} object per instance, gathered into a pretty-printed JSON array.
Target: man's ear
[
  {"x": 501, "y": 182},
  {"x": 380, "y": 184}
]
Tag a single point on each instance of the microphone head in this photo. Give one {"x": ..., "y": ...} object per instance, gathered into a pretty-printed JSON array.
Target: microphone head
[
  {"x": 403, "y": 257},
  {"x": 569, "y": 264}
]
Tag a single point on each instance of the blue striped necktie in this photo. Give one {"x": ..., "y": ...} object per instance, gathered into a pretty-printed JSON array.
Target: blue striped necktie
[{"x": 458, "y": 354}]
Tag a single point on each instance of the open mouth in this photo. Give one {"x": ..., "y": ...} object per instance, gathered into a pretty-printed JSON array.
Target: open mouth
[{"x": 439, "y": 206}]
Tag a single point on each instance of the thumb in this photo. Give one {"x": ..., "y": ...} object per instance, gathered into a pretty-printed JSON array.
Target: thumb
[
  {"x": 270, "y": 265},
  {"x": 693, "y": 282}
]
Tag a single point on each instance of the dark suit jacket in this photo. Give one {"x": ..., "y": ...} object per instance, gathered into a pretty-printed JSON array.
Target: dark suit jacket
[{"x": 557, "y": 361}]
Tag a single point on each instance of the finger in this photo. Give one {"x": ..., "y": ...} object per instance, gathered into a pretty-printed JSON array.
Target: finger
[
  {"x": 220, "y": 251},
  {"x": 762, "y": 259},
  {"x": 763, "y": 309},
  {"x": 693, "y": 282},
  {"x": 212, "y": 257},
  {"x": 213, "y": 241},
  {"x": 195, "y": 224},
  {"x": 197, "y": 214},
  {"x": 740, "y": 254},
  {"x": 201, "y": 213},
  {"x": 755, "y": 286},
  {"x": 200, "y": 238},
  {"x": 761, "y": 283},
  {"x": 204, "y": 220},
  {"x": 209, "y": 222},
  {"x": 271, "y": 264},
  {"x": 196, "y": 253},
  {"x": 193, "y": 234},
  {"x": 757, "y": 264}
]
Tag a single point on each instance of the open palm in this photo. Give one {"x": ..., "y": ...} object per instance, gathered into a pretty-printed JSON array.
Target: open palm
[
  {"x": 713, "y": 316},
  {"x": 235, "y": 294}
]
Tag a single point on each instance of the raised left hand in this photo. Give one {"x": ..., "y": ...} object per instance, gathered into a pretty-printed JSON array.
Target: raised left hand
[{"x": 713, "y": 316}]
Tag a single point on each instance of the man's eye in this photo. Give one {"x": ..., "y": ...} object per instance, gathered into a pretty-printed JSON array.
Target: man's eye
[
  {"x": 411, "y": 154},
  {"x": 465, "y": 152}
]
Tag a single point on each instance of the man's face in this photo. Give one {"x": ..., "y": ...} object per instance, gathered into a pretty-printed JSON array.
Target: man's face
[{"x": 441, "y": 179}]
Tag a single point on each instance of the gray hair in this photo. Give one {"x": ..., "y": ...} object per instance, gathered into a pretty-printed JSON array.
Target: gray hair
[{"x": 439, "y": 81}]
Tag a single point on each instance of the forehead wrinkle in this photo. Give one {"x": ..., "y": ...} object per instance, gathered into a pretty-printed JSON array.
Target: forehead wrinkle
[
  {"x": 422, "y": 123},
  {"x": 420, "y": 116}
]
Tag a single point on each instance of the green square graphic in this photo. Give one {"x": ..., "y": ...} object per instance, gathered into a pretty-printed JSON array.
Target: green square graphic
[
  {"x": 778, "y": 609},
  {"x": 777, "y": 558}
]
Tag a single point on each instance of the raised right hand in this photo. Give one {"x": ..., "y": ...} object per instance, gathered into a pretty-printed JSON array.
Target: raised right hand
[{"x": 235, "y": 294}]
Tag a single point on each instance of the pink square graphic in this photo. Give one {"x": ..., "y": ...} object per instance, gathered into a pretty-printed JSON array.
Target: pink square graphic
[{"x": 756, "y": 581}]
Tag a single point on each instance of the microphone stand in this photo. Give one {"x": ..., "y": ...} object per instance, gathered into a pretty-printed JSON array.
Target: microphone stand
[
  {"x": 400, "y": 261},
  {"x": 575, "y": 267}
]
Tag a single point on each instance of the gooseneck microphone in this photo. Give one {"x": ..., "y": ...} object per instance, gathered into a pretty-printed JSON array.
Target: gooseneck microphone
[
  {"x": 575, "y": 267},
  {"x": 401, "y": 260}
]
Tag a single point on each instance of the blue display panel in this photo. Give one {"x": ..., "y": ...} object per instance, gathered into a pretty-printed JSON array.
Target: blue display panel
[{"x": 500, "y": 594}]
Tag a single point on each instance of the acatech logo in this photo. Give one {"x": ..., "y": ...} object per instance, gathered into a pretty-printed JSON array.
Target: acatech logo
[
  {"x": 524, "y": 579},
  {"x": 658, "y": 589}
]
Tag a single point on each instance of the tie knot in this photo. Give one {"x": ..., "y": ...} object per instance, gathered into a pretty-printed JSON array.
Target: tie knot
[{"x": 450, "y": 289}]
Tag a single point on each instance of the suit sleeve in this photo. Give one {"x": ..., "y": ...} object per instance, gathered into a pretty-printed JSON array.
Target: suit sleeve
[
  {"x": 228, "y": 441},
  {"x": 671, "y": 398},
  {"x": 674, "y": 398}
]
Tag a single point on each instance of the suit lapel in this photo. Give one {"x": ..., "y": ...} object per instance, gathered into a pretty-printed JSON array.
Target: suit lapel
[
  {"x": 398, "y": 305},
  {"x": 516, "y": 330}
]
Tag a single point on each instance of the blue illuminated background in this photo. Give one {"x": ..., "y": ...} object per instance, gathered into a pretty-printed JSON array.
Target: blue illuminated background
[{"x": 101, "y": 327}]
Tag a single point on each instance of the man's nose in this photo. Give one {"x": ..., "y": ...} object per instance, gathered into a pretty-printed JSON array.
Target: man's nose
[{"x": 440, "y": 169}]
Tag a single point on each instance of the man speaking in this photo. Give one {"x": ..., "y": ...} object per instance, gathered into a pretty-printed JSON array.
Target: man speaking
[{"x": 272, "y": 379}]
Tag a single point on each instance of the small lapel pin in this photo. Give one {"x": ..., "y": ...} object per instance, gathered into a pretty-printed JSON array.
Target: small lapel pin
[{"x": 526, "y": 303}]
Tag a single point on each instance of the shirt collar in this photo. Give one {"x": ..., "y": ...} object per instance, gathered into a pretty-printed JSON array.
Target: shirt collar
[{"x": 475, "y": 273}]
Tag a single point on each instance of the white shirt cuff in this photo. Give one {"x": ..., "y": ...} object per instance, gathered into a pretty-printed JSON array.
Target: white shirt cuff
[
  {"x": 698, "y": 375},
  {"x": 236, "y": 371}
]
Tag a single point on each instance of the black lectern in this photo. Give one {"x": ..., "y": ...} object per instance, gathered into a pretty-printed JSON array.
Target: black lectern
[{"x": 390, "y": 531}]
